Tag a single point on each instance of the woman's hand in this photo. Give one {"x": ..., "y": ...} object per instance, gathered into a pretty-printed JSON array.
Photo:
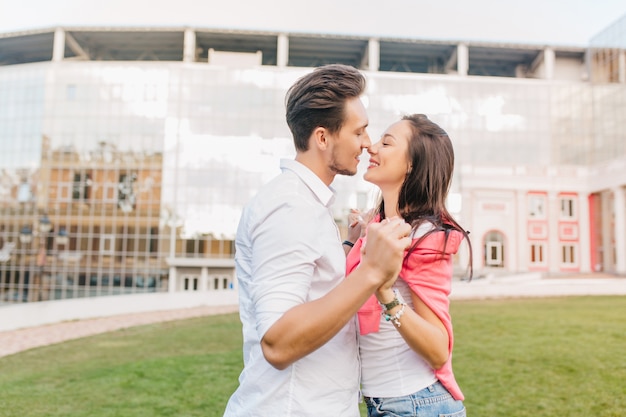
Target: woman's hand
[{"x": 357, "y": 223}]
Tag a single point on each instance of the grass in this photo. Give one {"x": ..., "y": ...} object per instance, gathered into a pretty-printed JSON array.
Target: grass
[
  {"x": 527, "y": 357},
  {"x": 183, "y": 368},
  {"x": 542, "y": 357}
]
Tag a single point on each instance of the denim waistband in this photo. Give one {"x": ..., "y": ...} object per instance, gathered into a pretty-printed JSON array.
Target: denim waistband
[{"x": 425, "y": 392}]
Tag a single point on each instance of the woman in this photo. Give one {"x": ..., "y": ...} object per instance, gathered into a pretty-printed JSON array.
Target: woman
[{"x": 406, "y": 334}]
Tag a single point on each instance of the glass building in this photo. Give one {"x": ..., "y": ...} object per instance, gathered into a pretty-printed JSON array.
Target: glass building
[{"x": 127, "y": 154}]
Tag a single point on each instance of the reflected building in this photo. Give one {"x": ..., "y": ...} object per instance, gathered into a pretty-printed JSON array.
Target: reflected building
[{"x": 127, "y": 154}]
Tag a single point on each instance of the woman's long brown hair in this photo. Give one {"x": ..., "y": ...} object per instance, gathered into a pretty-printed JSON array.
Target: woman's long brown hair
[{"x": 427, "y": 183}]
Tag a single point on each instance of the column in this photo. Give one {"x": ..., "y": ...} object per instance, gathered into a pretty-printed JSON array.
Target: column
[
  {"x": 620, "y": 230},
  {"x": 373, "y": 54},
  {"x": 58, "y": 49},
  {"x": 606, "y": 249},
  {"x": 555, "y": 256},
  {"x": 548, "y": 63},
  {"x": 463, "y": 218},
  {"x": 189, "y": 46},
  {"x": 584, "y": 233},
  {"x": 282, "y": 50},
  {"x": 204, "y": 279},
  {"x": 622, "y": 66},
  {"x": 467, "y": 221},
  {"x": 171, "y": 284},
  {"x": 521, "y": 232},
  {"x": 462, "y": 57}
]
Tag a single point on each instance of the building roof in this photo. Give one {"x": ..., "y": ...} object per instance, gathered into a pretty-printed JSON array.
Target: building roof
[{"x": 305, "y": 50}]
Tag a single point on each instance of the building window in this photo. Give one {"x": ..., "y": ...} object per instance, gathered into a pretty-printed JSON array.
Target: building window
[
  {"x": 125, "y": 192},
  {"x": 109, "y": 192},
  {"x": 537, "y": 206},
  {"x": 568, "y": 208},
  {"x": 220, "y": 282},
  {"x": 190, "y": 282},
  {"x": 65, "y": 190},
  {"x": 568, "y": 254},
  {"x": 537, "y": 253},
  {"x": 24, "y": 193},
  {"x": 195, "y": 247},
  {"x": 107, "y": 244},
  {"x": 80, "y": 186},
  {"x": 154, "y": 240}
]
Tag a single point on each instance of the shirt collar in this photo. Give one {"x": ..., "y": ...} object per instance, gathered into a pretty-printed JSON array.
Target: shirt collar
[{"x": 325, "y": 194}]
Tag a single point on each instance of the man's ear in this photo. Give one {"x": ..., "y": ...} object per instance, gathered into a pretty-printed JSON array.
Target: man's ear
[{"x": 320, "y": 137}]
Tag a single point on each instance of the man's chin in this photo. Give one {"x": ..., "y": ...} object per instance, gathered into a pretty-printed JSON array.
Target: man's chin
[{"x": 349, "y": 173}]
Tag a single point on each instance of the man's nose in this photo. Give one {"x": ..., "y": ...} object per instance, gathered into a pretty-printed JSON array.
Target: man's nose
[{"x": 366, "y": 143}]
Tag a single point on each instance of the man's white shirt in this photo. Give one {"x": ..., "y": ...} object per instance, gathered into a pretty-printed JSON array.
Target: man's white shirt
[{"x": 288, "y": 252}]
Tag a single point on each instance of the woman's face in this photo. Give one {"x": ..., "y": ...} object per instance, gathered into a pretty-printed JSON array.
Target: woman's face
[{"x": 389, "y": 160}]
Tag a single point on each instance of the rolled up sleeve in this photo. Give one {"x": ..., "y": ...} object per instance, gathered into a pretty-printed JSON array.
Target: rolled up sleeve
[{"x": 283, "y": 261}]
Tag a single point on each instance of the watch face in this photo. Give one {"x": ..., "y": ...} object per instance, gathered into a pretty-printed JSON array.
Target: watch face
[{"x": 397, "y": 300}]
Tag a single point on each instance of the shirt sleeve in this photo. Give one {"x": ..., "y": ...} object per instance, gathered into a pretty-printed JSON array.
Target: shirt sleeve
[{"x": 284, "y": 259}]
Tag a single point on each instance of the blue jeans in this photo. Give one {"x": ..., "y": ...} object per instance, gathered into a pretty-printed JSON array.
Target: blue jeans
[{"x": 432, "y": 401}]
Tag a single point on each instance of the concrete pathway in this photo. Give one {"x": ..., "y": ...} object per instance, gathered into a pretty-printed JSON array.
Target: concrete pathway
[
  {"x": 526, "y": 285},
  {"x": 22, "y": 339},
  {"x": 529, "y": 285}
]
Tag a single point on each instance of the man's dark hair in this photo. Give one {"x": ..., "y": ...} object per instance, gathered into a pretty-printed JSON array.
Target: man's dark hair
[{"x": 318, "y": 99}]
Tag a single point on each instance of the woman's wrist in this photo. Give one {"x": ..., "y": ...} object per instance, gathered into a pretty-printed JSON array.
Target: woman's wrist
[
  {"x": 395, "y": 317},
  {"x": 386, "y": 296},
  {"x": 394, "y": 309},
  {"x": 353, "y": 236}
]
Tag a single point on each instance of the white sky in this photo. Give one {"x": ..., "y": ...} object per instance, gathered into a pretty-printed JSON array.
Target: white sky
[{"x": 554, "y": 22}]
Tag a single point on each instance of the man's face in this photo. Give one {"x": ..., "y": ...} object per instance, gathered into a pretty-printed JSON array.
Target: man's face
[{"x": 348, "y": 143}]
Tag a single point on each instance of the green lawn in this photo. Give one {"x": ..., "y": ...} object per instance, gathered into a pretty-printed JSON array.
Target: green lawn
[{"x": 531, "y": 357}]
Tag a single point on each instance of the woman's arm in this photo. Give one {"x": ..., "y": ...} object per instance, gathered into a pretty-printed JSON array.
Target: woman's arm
[
  {"x": 420, "y": 327},
  {"x": 305, "y": 327}
]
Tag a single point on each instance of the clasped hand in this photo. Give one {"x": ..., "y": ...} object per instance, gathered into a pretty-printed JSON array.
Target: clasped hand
[{"x": 384, "y": 251}]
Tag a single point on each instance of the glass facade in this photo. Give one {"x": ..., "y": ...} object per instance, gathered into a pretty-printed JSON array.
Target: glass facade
[
  {"x": 117, "y": 174},
  {"x": 607, "y": 63}
]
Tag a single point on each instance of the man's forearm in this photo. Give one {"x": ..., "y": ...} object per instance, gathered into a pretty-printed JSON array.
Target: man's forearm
[{"x": 306, "y": 327}]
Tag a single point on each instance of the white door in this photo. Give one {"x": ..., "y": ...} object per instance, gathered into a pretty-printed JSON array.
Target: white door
[{"x": 494, "y": 253}]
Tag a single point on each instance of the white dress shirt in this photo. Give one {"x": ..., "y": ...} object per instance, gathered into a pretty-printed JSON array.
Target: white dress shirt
[{"x": 288, "y": 252}]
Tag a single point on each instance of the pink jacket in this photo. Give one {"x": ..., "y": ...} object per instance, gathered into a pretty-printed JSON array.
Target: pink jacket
[{"x": 429, "y": 275}]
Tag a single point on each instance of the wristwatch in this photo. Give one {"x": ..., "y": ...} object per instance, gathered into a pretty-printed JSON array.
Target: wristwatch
[{"x": 397, "y": 300}]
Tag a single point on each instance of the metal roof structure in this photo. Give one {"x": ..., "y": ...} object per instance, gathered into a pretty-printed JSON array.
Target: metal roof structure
[{"x": 304, "y": 50}]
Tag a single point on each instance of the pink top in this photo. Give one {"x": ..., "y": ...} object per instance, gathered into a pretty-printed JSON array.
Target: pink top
[{"x": 428, "y": 273}]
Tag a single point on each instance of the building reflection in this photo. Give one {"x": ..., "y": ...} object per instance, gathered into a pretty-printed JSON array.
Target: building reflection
[
  {"x": 140, "y": 147},
  {"x": 91, "y": 224}
]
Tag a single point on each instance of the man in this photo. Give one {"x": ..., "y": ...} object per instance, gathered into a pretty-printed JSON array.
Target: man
[{"x": 297, "y": 310}]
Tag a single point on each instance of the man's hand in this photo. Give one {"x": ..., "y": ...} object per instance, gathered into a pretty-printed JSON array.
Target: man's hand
[{"x": 384, "y": 249}]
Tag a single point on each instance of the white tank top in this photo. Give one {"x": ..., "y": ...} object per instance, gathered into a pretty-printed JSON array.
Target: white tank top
[{"x": 389, "y": 367}]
